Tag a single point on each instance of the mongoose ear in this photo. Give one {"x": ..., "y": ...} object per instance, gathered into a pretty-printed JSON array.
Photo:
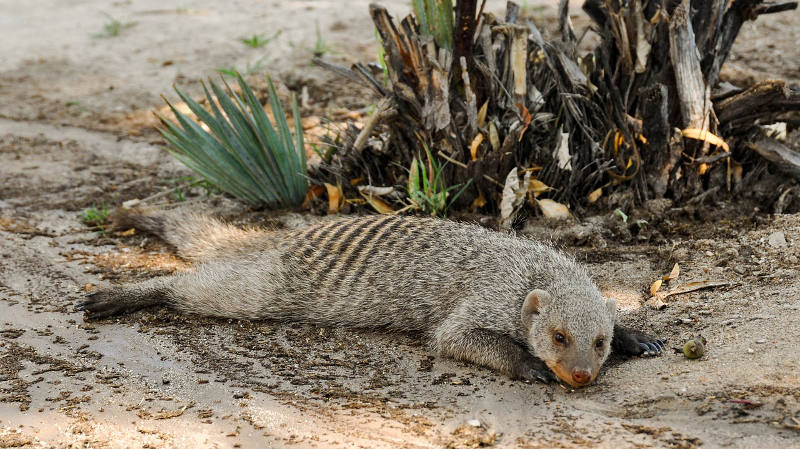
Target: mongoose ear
[
  {"x": 611, "y": 305},
  {"x": 535, "y": 299}
]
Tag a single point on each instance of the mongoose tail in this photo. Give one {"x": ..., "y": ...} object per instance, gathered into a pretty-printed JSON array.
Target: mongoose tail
[
  {"x": 511, "y": 304},
  {"x": 195, "y": 236}
]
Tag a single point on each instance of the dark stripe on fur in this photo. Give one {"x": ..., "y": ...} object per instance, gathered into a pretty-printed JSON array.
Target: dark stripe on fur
[
  {"x": 377, "y": 241},
  {"x": 331, "y": 243},
  {"x": 351, "y": 248},
  {"x": 317, "y": 239}
]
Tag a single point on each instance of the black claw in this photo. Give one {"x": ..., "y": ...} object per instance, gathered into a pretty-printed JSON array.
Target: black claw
[
  {"x": 542, "y": 376},
  {"x": 652, "y": 348},
  {"x": 632, "y": 342}
]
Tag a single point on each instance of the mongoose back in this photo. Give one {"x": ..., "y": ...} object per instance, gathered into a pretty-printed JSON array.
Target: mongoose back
[{"x": 511, "y": 304}]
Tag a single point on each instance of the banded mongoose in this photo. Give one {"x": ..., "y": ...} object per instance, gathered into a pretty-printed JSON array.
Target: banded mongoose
[{"x": 512, "y": 304}]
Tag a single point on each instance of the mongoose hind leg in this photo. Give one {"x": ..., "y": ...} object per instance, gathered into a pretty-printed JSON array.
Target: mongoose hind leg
[
  {"x": 630, "y": 342},
  {"x": 493, "y": 350},
  {"x": 220, "y": 288},
  {"x": 117, "y": 300}
]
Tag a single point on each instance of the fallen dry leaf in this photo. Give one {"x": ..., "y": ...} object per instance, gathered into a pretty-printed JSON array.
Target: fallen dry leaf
[
  {"x": 313, "y": 192},
  {"x": 378, "y": 204},
  {"x": 167, "y": 414},
  {"x": 595, "y": 195},
  {"x": 482, "y": 114},
  {"x": 335, "y": 198},
  {"x": 310, "y": 122},
  {"x": 526, "y": 119},
  {"x": 513, "y": 195},
  {"x": 473, "y": 147},
  {"x": 561, "y": 153},
  {"x": 494, "y": 137},
  {"x": 707, "y": 136},
  {"x": 655, "y": 286},
  {"x": 538, "y": 187},
  {"x": 378, "y": 191},
  {"x": 696, "y": 285},
  {"x": 676, "y": 270},
  {"x": 554, "y": 210}
]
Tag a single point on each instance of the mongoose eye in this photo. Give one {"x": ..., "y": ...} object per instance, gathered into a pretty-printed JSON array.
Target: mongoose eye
[
  {"x": 560, "y": 338},
  {"x": 599, "y": 343}
]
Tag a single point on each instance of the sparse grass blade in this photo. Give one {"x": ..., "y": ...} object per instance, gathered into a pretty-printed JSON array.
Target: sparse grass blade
[
  {"x": 258, "y": 40},
  {"x": 240, "y": 150},
  {"x": 427, "y": 190}
]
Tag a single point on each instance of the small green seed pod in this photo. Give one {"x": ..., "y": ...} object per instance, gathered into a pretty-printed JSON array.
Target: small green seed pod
[{"x": 694, "y": 348}]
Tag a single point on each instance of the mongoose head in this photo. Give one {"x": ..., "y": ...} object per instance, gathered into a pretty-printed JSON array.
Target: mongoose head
[{"x": 570, "y": 333}]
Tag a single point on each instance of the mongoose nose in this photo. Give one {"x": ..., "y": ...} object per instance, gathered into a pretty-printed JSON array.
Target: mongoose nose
[{"x": 581, "y": 377}]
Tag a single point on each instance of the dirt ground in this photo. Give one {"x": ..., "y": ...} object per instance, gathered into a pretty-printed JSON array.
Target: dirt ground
[{"x": 76, "y": 132}]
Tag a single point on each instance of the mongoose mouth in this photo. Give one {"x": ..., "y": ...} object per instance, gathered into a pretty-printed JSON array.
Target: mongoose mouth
[{"x": 565, "y": 375}]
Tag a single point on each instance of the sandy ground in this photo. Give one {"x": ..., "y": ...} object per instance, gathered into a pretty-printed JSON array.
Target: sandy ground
[{"x": 76, "y": 131}]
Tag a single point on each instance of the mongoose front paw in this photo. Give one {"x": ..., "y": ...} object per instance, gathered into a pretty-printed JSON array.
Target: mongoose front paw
[
  {"x": 633, "y": 342},
  {"x": 534, "y": 371},
  {"x": 102, "y": 303},
  {"x": 544, "y": 376},
  {"x": 652, "y": 348}
]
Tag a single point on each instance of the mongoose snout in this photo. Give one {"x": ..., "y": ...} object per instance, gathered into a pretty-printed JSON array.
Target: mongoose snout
[{"x": 581, "y": 377}]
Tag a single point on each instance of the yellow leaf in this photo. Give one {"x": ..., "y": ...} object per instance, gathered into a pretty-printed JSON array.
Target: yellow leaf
[
  {"x": 313, "y": 192},
  {"x": 356, "y": 181},
  {"x": 127, "y": 233},
  {"x": 595, "y": 195},
  {"x": 476, "y": 143},
  {"x": 737, "y": 173},
  {"x": 310, "y": 122},
  {"x": 482, "y": 114},
  {"x": 706, "y": 136},
  {"x": 553, "y": 209},
  {"x": 478, "y": 202},
  {"x": 538, "y": 187},
  {"x": 619, "y": 139},
  {"x": 676, "y": 270},
  {"x": 655, "y": 286},
  {"x": 703, "y": 168},
  {"x": 376, "y": 203},
  {"x": 494, "y": 137},
  {"x": 335, "y": 198}
]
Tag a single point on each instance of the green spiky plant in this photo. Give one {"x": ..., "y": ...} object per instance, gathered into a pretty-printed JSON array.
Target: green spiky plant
[
  {"x": 436, "y": 19},
  {"x": 243, "y": 152}
]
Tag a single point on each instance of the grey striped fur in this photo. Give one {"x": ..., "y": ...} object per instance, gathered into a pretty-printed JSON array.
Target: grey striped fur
[{"x": 460, "y": 286}]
